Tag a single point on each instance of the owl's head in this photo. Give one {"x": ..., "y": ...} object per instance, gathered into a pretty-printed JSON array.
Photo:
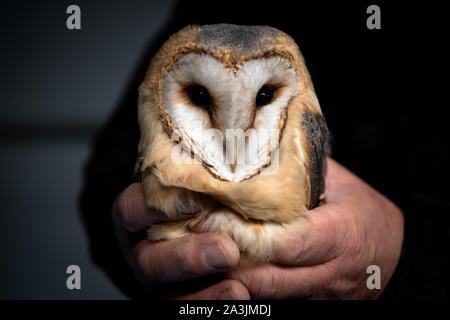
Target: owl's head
[{"x": 216, "y": 83}]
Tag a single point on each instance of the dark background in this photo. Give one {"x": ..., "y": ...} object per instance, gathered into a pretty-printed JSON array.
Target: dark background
[
  {"x": 62, "y": 90},
  {"x": 57, "y": 87}
]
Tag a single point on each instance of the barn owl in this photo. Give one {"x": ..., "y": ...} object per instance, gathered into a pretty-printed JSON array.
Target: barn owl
[{"x": 231, "y": 126}]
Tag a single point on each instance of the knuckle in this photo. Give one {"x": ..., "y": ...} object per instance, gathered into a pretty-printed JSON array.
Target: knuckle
[
  {"x": 269, "y": 286},
  {"x": 187, "y": 258},
  {"x": 332, "y": 284},
  {"x": 127, "y": 210},
  {"x": 340, "y": 289},
  {"x": 299, "y": 243},
  {"x": 146, "y": 263},
  {"x": 295, "y": 248},
  {"x": 292, "y": 245},
  {"x": 276, "y": 284},
  {"x": 123, "y": 206}
]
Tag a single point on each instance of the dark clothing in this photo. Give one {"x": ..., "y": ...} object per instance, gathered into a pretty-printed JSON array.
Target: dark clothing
[{"x": 381, "y": 106}]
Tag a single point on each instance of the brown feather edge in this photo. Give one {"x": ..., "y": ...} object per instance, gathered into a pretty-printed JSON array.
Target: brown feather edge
[{"x": 278, "y": 46}]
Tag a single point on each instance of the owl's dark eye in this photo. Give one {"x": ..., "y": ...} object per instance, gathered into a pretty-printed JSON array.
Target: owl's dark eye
[
  {"x": 264, "y": 96},
  {"x": 199, "y": 95}
]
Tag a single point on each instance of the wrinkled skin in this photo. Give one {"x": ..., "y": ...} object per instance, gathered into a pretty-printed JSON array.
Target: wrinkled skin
[{"x": 355, "y": 228}]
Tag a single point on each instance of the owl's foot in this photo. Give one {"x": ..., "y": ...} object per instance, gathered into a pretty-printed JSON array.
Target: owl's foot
[
  {"x": 257, "y": 240},
  {"x": 168, "y": 231},
  {"x": 175, "y": 229}
]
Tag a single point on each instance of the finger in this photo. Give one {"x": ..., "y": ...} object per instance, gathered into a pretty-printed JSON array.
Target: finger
[
  {"x": 132, "y": 213},
  {"x": 318, "y": 237},
  {"x": 307, "y": 241},
  {"x": 225, "y": 290},
  {"x": 186, "y": 257},
  {"x": 270, "y": 281},
  {"x": 311, "y": 240}
]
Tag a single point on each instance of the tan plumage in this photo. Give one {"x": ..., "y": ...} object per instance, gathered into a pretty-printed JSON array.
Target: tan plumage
[{"x": 248, "y": 202}]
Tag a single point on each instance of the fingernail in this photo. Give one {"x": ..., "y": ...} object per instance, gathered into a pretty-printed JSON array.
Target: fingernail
[
  {"x": 214, "y": 257},
  {"x": 226, "y": 295}
]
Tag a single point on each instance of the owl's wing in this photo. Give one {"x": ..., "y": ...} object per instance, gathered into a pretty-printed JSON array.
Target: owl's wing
[{"x": 318, "y": 141}]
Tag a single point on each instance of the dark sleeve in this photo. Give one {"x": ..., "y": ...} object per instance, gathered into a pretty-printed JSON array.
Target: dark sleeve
[
  {"x": 422, "y": 272},
  {"x": 108, "y": 171},
  {"x": 423, "y": 269}
]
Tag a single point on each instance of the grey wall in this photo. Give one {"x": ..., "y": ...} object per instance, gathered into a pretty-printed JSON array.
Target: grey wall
[{"x": 56, "y": 89}]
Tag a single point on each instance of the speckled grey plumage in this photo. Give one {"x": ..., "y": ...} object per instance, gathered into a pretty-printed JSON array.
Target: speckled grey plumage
[{"x": 246, "y": 39}]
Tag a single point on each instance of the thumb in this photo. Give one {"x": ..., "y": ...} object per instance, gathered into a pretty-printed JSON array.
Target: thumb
[{"x": 311, "y": 240}]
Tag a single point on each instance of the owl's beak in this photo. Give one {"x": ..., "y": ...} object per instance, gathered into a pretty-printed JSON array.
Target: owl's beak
[
  {"x": 235, "y": 146},
  {"x": 233, "y": 125},
  {"x": 233, "y": 164},
  {"x": 231, "y": 147}
]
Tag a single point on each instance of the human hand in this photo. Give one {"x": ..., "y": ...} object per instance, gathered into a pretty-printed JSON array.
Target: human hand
[
  {"x": 324, "y": 256},
  {"x": 327, "y": 255},
  {"x": 161, "y": 264}
]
